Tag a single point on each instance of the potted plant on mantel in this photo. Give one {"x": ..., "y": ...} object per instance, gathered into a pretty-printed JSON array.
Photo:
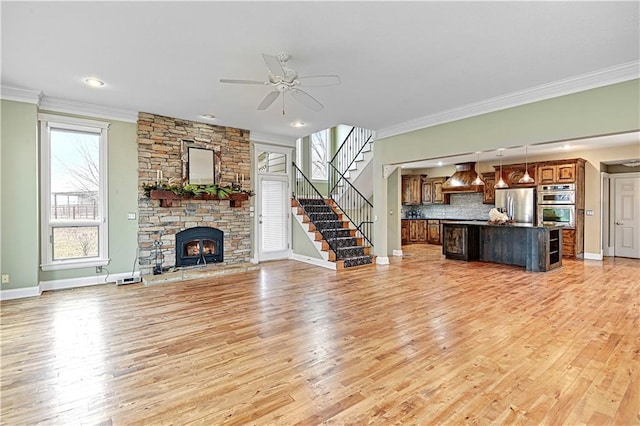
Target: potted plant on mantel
[{"x": 167, "y": 192}]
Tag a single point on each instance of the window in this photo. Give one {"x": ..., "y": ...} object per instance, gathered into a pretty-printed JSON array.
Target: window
[
  {"x": 74, "y": 192},
  {"x": 272, "y": 162},
  {"x": 319, "y": 154}
]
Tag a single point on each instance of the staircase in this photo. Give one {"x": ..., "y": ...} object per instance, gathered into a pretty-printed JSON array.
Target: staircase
[
  {"x": 340, "y": 241},
  {"x": 336, "y": 235},
  {"x": 352, "y": 162}
]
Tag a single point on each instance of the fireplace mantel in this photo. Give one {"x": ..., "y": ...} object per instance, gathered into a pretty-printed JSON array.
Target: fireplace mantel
[{"x": 166, "y": 197}]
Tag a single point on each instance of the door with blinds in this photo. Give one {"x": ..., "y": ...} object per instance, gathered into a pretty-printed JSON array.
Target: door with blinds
[
  {"x": 273, "y": 218},
  {"x": 274, "y": 204}
]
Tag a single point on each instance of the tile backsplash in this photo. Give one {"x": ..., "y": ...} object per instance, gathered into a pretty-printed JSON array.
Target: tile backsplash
[{"x": 465, "y": 206}]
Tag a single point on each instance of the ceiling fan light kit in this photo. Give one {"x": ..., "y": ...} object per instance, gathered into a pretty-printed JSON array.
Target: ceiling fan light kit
[{"x": 283, "y": 80}]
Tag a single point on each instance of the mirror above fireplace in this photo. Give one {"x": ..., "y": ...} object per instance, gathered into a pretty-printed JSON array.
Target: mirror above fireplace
[{"x": 200, "y": 164}]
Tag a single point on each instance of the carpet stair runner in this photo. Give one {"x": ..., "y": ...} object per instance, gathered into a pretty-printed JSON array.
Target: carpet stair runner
[{"x": 338, "y": 239}]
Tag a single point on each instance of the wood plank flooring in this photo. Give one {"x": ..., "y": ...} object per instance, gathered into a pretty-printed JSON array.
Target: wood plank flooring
[{"x": 421, "y": 341}]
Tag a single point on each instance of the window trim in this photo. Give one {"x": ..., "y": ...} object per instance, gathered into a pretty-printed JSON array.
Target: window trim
[{"x": 47, "y": 122}]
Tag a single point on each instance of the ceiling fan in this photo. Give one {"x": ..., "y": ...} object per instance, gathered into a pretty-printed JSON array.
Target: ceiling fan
[{"x": 283, "y": 80}]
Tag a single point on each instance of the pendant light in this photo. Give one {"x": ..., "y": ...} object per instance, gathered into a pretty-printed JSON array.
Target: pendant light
[
  {"x": 501, "y": 183},
  {"x": 478, "y": 180},
  {"x": 526, "y": 178}
]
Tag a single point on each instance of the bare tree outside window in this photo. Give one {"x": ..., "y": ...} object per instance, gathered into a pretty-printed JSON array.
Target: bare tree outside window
[
  {"x": 75, "y": 182},
  {"x": 319, "y": 155}
]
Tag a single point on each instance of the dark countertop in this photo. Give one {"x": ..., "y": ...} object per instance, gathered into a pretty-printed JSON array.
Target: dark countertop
[
  {"x": 444, "y": 220},
  {"x": 510, "y": 225}
]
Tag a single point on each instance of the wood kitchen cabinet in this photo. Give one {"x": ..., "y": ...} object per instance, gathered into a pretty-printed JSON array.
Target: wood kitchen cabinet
[
  {"x": 404, "y": 231},
  {"x": 432, "y": 191},
  {"x": 412, "y": 189},
  {"x": 512, "y": 173},
  {"x": 434, "y": 235},
  {"x": 567, "y": 171},
  {"x": 556, "y": 173},
  {"x": 489, "y": 190},
  {"x": 569, "y": 243},
  {"x": 417, "y": 231},
  {"x": 413, "y": 231},
  {"x": 461, "y": 242}
]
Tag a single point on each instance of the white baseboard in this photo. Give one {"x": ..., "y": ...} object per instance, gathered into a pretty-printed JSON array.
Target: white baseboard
[
  {"x": 313, "y": 261},
  {"x": 83, "y": 281},
  {"x": 382, "y": 260},
  {"x": 20, "y": 293},
  {"x": 397, "y": 253},
  {"x": 592, "y": 256}
]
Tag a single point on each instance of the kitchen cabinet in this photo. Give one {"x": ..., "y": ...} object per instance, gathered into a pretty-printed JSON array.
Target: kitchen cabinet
[
  {"x": 434, "y": 235},
  {"x": 413, "y": 231},
  {"x": 417, "y": 231},
  {"x": 556, "y": 173},
  {"x": 460, "y": 242},
  {"x": 489, "y": 190},
  {"x": 432, "y": 191},
  {"x": 404, "y": 232},
  {"x": 412, "y": 189},
  {"x": 567, "y": 171},
  {"x": 512, "y": 173},
  {"x": 569, "y": 243}
]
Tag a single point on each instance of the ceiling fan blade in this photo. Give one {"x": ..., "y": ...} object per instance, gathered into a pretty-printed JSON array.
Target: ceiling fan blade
[
  {"x": 320, "y": 80},
  {"x": 230, "y": 80},
  {"x": 268, "y": 100},
  {"x": 273, "y": 64},
  {"x": 306, "y": 99}
]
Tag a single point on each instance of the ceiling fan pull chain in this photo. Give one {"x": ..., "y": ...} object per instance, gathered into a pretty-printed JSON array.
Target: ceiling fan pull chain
[{"x": 283, "y": 103}]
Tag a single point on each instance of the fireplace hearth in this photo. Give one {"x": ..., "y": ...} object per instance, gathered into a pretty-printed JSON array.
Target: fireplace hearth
[{"x": 199, "y": 246}]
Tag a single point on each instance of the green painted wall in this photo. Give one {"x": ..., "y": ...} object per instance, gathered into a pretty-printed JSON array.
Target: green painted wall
[
  {"x": 20, "y": 252},
  {"x": 605, "y": 110},
  {"x": 19, "y": 226},
  {"x": 300, "y": 242}
]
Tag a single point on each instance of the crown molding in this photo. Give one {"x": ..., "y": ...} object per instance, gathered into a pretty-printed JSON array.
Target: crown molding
[
  {"x": 579, "y": 83},
  {"x": 20, "y": 94},
  {"x": 86, "y": 109},
  {"x": 271, "y": 139}
]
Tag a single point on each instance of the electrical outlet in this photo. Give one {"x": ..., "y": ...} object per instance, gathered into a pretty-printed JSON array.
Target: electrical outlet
[
  {"x": 5, "y": 279},
  {"x": 98, "y": 269}
]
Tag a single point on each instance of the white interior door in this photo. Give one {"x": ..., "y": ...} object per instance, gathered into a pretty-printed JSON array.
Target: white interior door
[
  {"x": 627, "y": 216},
  {"x": 273, "y": 218}
]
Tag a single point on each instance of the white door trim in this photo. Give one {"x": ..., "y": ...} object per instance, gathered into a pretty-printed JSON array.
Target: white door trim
[{"x": 257, "y": 148}]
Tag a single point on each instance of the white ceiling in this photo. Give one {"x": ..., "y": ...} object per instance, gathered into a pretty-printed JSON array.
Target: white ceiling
[{"x": 398, "y": 61}]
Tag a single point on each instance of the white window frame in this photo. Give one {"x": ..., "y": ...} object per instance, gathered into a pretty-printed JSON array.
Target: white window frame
[
  {"x": 327, "y": 151},
  {"x": 48, "y": 122}
]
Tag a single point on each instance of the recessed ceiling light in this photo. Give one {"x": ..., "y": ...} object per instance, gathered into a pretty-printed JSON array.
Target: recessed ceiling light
[
  {"x": 439, "y": 163},
  {"x": 93, "y": 82},
  {"x": 297, "y": 124},
  {"x": 208, "y": 116},
  {"x": 566, "y": 147}
]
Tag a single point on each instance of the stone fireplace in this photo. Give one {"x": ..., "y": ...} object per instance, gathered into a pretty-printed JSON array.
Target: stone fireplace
[{"x": 160, "y": 154}]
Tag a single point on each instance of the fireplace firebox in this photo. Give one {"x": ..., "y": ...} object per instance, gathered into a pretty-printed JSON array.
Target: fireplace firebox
[{"x": 199, "y": 246}]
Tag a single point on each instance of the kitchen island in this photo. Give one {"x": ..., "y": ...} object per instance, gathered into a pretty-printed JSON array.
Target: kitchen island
[{"x": 537, "y": 248}]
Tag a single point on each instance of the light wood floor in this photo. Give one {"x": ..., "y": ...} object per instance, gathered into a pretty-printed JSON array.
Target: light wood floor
[{"x": 421, "y": 341}]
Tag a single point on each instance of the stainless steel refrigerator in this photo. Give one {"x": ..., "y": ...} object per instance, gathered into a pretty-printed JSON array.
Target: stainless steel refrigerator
[{"x": 518, "y": 203}]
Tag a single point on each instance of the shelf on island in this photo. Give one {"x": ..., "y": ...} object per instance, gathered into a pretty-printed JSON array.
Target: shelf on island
[{"x": 166, "y": 197}]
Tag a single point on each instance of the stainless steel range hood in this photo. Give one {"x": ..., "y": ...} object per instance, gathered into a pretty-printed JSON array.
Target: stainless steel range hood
[{"x": 461, "y": 179}]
